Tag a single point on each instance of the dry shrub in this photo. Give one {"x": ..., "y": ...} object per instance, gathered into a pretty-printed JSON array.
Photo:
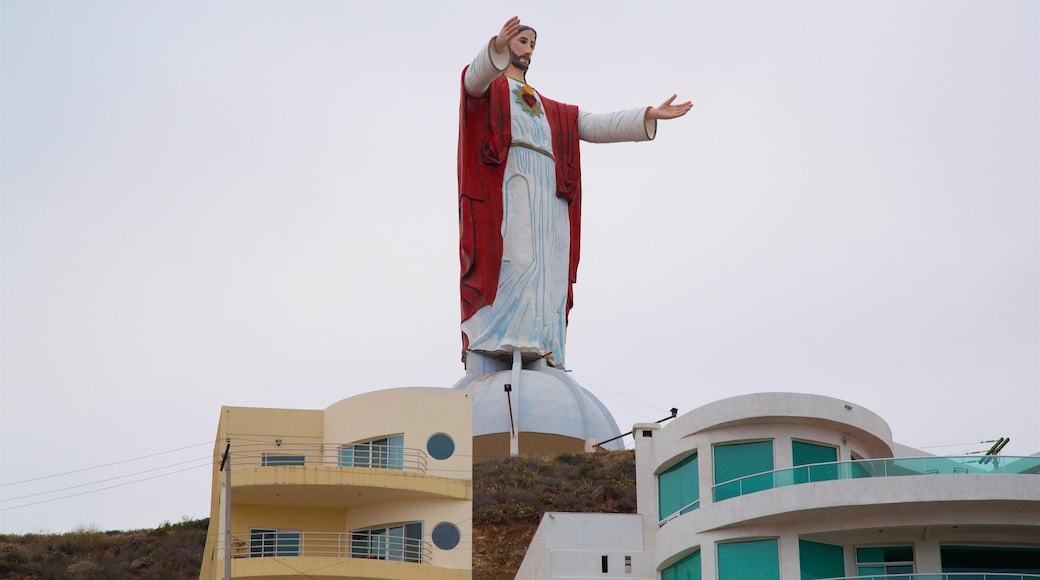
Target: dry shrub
[
  {"x": 81, "y": 568},
  {"x": 510, "y": 496},
  {"x": 175, "y": 553}
]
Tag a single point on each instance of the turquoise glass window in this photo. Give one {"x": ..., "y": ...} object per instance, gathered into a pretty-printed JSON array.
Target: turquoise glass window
[
  {"x": 758, "y": 559},
  {"x": 818, "y": 560},
  {"x": 736, "y": 460},
  {"x": 678, "y": 488},
  {"x": 807, "y": 453},
  {"x": 812, "y": 453},
  {"x": 689, "y": 568}
]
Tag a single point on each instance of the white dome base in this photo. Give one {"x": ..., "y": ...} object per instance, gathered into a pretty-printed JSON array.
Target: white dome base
[{"x": 545, "y": 401}]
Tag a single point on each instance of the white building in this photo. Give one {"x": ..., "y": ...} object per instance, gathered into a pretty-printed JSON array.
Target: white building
[{"x": 793, "y": 486}]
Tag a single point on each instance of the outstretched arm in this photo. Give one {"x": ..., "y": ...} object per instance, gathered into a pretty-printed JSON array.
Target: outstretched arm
[
  {"x": 492, "y": 60},
  {"x": 639, "y": 124},
  {"x": 669, "y": 110}
]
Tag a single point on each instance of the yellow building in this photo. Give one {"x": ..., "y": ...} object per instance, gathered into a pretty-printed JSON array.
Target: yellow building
[{"x": 375, "y": 486}]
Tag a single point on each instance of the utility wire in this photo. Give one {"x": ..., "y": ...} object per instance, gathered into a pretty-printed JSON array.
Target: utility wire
[
  {"x": 599, "y": 385},
  {"x": 958, "y": 444},
  {"x": 99, "y": 489},
  {"x": 209, "y": 459},
  {"x": 104, "y": 465},
  {"x": 301, "y": 572}
]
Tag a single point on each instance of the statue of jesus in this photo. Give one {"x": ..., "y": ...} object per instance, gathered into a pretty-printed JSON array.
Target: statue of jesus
[{"x": 520, "y": 198}]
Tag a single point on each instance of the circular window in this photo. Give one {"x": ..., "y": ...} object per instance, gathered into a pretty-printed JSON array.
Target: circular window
[
  {"x": 440, "y": 446},
  {"x": 446, "y": 536}
]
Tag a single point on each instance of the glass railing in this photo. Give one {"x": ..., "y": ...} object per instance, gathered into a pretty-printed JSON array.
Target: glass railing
[
  {"x": 868, "y": 468},
  {"x": 949, "y": 576}
]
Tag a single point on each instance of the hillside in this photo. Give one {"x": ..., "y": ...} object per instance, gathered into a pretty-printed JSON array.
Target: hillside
[
  {"x": 509, "y": 498},
  {"x": 168, "y": 552}
]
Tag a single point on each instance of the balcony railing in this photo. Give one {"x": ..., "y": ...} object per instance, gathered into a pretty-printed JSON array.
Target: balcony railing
[
  {"x": 683, "y": 510},
  {"x": 289, "y": 544},
  {"x": 867, "y": 468},
  {"x": 366, "y": 455},
  {"x": 949, "y": 576}
]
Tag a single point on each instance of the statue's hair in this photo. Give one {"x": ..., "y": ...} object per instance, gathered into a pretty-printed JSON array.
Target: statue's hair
[{"x": 524, "y": 27}]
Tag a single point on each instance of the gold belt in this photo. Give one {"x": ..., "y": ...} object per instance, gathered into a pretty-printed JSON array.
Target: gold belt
[{"x": 533, "y": 148}]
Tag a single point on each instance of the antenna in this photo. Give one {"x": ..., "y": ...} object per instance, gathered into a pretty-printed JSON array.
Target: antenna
[{"x": 991, "y": 455}]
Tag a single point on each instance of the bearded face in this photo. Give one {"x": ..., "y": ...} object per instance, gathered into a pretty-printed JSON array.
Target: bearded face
[
  {"x": 520, "y": 62},
  {"x": 521, "y": 48}
]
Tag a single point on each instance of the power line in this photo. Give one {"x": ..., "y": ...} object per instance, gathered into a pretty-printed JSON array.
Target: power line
[
  {"x": 207, "y": 458},
  {"x": 97, "y": 490},
  {"x": 104, "y": 465},
  {"x": 959, "y": 444},
  {"x": 599, "y": 385}
]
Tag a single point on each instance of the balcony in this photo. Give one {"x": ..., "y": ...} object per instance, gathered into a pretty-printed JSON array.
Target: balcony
[
  {"x": 360, "y": 455},
  {"x": 336, "y": 475},
  {"x": 286, "y": 554},
  {"x": 869, "y": 468},
  {"x": 289, "y": 544}
]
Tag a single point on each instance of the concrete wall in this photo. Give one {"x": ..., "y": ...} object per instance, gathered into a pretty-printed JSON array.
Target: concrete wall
[
  {"x": 430, "y": 513},
  {"x": 416, "y": 412},
  {"x": 573, "y": 545}
]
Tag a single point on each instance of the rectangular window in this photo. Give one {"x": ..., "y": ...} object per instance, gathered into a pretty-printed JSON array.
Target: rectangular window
[
  {"x": 678, "y": 488},
  {"x": 401, "y": 543},
  {"x": 818, "y": 561},
  {"x": 758, "y": 559},
  {"x": 271, "y": 542},
  {"x": 812, "y": 454},
  {"x": 274, "y": 459},
  {"x": 689, "y": 568},
  {"x": 993, "y": 559},
  {"x": 808, "y": 453},
  {"x": 368, "y": 544},
  {"x": 384, "y": 453},
  {"x": 885, "y": 560},
  {"x": 738, "y": 460}
]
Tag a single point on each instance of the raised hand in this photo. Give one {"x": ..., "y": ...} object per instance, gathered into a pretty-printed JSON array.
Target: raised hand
[
  {"x": 509, "y": 30},
  {"x": 668, "y": 110}
]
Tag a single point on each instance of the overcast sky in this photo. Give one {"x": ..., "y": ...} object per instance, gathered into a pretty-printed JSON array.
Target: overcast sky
[{"x": 254, "y": 203}]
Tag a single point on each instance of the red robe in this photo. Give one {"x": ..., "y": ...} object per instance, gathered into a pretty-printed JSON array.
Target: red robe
[{"x": 484, "y": 138}]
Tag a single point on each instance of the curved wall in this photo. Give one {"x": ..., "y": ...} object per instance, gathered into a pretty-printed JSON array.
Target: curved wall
[
  {"x": 919, "y": 510},
  {"x": 416, "y": 412}
]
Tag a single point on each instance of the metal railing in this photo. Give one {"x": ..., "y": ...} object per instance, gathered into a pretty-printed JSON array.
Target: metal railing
[
  {"x": 683, "y": 510},
  {"x": 293, "y": 544},
  {"x": 868, "y": 468},
  {"x": 364, "y": 455}
]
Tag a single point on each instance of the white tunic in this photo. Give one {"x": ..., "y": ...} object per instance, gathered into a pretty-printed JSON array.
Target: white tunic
[{"x": 530, "y": 307}]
